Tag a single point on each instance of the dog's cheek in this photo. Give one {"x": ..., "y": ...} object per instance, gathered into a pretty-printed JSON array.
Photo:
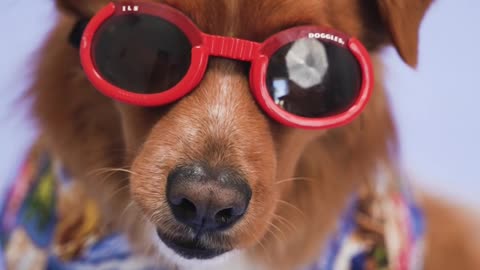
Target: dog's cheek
[
  {"x": 290, "y": 144},
  {"x": 257, "y": 221},
  {"x": 147, "y": 185},
  {"x": 265, "y": 195},
  {"x": 276, "y": 162}
]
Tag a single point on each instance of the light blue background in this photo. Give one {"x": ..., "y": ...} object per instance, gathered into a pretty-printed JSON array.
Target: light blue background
[{"x": 436, "y": 106}]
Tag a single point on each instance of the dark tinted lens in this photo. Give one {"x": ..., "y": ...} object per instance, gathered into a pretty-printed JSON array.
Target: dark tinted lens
[
  {"x": 141, "y": 53},
  {"x": 312, "y": 78}
]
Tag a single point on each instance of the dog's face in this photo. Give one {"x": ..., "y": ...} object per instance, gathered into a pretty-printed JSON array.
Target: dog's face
[{"x": 212, "y": 173}]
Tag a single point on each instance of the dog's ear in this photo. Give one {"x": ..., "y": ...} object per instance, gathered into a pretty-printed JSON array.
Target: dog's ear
[
  {"x": 80, "y": 8},
  {"x": 402, "y": 19}
]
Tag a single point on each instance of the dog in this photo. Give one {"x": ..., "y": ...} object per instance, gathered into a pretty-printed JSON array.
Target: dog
[{"x": 296, "y": 182}]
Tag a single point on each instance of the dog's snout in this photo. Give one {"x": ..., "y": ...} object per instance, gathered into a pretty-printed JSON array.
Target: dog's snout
[{"x": 207, "y": 199}]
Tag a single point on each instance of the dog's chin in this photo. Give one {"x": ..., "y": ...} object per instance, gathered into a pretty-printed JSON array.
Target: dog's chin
[
  {"x": 191, "y": 249},
  {"x": 191, "y": 254}
]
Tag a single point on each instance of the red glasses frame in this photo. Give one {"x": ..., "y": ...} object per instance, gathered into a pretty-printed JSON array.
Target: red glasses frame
[{"x": 205, "y": 45}]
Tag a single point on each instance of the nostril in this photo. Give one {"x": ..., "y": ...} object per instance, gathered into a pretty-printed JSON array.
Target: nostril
[
  {"x": 224, "y": 217},
  {"x": 228, "y": 216},
  {"x": 184, "y": 209}
]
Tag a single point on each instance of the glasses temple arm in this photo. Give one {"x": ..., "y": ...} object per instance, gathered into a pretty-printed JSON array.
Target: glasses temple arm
[{"x": 75, "y": 36}]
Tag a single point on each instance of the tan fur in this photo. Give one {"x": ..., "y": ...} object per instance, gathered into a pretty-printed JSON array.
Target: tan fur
[{"x": 300, "y": 179}]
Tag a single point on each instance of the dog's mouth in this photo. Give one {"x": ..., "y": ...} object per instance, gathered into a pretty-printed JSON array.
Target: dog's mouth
[{"x": 191, "y": 249}]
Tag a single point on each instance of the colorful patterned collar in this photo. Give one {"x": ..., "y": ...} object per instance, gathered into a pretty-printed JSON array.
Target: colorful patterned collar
[{"x": 380, "y": 230}]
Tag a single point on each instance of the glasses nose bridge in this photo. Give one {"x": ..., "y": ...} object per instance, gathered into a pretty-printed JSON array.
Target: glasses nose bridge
[{"x": 230, "y": 47}]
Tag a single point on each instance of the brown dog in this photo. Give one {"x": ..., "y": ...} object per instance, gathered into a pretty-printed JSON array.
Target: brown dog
[{"x": 299, "y": 181}]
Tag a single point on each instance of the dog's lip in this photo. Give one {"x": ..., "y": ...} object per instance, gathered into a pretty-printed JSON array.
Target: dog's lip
[{"x": 191, "y": 249}]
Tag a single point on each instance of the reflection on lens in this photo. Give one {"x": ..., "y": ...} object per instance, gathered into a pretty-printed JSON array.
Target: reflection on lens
[
  {"x": 307, "y": 62},
  {"x": 141, "y": 53},
  {"x": 312, "y": 78}
]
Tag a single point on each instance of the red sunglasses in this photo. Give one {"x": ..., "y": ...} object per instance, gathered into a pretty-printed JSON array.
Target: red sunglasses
[{"x": 150, "y": 54}]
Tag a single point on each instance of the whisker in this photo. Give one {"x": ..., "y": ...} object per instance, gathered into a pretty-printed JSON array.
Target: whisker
[
  {"x": 106, "y": 175},
  {"x": 278, "y": 229},
  {"x": 293, "y": 179},
  {"x": 265, "y": 250},
  {"x": 129, "y": 205},
  {"x": 104, "y": 170},
  {"x": 286, "y": 222},
  {"x": 99, "y": 171},
  {"x": 274, "y": 235},
  {"x": 293, "y": 207},
  {"x": 117, "y": 191},
  {"x": 124, "y": 170}
]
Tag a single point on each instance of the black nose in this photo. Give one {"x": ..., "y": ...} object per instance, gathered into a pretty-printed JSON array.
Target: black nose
[{"x": 207, "y": 199}]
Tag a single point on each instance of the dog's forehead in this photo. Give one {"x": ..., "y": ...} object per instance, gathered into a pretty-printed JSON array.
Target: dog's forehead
[{"x": 256, "y": 20}]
